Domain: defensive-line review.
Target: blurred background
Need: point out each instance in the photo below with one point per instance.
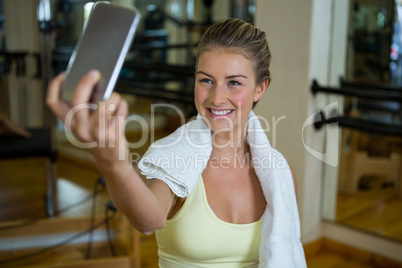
(333, 109)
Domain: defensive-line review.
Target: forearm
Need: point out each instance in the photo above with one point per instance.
(133, 198)
(145, 208)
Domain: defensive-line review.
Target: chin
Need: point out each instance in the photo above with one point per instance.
(221, 126)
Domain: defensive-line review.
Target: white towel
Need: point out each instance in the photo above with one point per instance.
(180, 158)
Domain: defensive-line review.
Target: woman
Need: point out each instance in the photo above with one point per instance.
(219, 223)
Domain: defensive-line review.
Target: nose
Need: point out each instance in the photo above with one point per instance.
(218, 96)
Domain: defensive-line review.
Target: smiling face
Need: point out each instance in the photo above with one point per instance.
(226, 89)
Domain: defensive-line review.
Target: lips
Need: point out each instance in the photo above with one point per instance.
(220, 113)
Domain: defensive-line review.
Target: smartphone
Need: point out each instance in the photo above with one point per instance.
(103, 45)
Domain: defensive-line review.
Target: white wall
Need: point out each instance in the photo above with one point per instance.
(337, 68)
(291, 37)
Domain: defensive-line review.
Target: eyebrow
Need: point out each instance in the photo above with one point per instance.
(235, 76)
(227, 77)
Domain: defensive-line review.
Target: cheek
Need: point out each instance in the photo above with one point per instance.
(200, 95)
(243, 99)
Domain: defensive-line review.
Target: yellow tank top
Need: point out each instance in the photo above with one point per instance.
(196, 237)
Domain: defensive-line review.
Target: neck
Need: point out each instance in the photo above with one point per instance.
(229, 144)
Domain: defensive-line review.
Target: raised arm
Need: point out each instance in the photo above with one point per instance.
(146, 207)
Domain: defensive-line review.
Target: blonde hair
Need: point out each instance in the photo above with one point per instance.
(239, 36)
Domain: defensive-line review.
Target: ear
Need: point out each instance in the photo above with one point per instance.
(260, 90)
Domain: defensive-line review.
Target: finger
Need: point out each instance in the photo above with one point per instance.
(102, 120)
(121, 115)
(114, 111)
(112, 103)
(117, 121)
(122, 109)
(80, 100)
(117, 125)
(53, 100)
(85, 87)
(107, 113)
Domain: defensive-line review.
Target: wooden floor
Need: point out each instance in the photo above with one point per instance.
(375, 208)
(330, 259)
(22, 190)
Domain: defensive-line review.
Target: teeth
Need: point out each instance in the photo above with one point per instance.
(223, 112)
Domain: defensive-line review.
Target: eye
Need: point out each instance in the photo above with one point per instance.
(234, 83)
(205, 80)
